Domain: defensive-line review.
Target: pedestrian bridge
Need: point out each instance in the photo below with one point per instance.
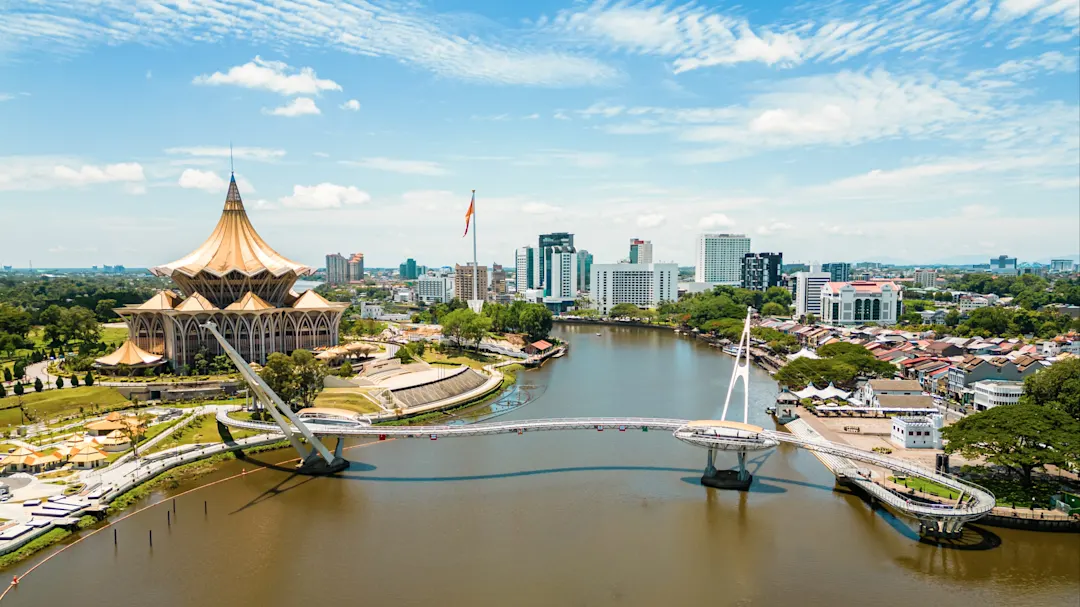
(936, 519)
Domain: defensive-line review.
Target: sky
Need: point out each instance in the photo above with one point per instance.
(895, 131)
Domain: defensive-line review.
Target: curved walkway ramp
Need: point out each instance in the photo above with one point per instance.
(936, 519)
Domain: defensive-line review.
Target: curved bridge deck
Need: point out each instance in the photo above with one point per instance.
(974, 502)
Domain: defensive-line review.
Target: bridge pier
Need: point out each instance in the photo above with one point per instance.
(314, 463)
(739, 480)
(949, 529)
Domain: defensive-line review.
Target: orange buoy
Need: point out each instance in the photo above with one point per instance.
(14, 580)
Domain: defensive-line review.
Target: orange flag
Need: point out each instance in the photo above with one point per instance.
(469, 214)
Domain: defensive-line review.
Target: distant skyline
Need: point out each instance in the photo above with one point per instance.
(898, 132)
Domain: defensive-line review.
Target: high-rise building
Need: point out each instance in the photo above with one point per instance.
(547, 241)
(561, 288)
(584, 271)
(408, 270)
(1061, 265)
(337, 269)
(644, 285)
(926, 278)
(640, 251)
(526, 270)
(761, 270)
(808, 292)
(838, 271)
(356, 267)
(435, 289)
(1003, 264)
(463, 282)
(719, 258)
(498, 280)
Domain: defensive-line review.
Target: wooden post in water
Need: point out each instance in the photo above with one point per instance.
(174, 505)
(204, 507)
(114, 536)
(168, 518)
(151, 538)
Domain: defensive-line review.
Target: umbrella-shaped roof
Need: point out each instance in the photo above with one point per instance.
(131, 355)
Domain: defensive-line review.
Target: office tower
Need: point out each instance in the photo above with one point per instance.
(719, 258)
(640, 251)
(547, 241)
(761, 270)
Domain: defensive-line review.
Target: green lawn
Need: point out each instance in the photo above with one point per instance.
(114, 335)
(927, 486)
(55, 403)
(350, 399)
(202, 430)
(472, 359)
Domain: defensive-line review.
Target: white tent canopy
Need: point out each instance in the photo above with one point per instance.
(824, 394)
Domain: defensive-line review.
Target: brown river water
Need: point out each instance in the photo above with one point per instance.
(553, 518)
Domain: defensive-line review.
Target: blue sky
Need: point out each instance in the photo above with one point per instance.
(907, 131)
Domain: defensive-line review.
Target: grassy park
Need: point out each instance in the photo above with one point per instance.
(926, 486)
(350, 399)
(56, 403)
(202, 430)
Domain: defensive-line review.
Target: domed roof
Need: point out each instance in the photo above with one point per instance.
(233, 246)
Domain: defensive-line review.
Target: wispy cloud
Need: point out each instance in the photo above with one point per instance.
(274, 76)
(396, 165)
(209, 181)
(404, 32)
(44, 173)
(352, 105)
(241, 153)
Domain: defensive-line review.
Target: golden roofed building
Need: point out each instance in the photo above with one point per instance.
(238, 281)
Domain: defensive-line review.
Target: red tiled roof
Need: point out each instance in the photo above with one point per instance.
(541, 345)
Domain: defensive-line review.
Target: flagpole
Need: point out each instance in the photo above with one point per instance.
(476, 266)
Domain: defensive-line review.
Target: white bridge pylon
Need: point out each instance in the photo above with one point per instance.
(741, 371)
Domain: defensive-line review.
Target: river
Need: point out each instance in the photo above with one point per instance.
(554, 518)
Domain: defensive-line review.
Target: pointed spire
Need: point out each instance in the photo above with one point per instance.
(232, 199)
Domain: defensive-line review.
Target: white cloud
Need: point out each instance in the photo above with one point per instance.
(301, 106)
(256, 154)
(651, 220)
(352, 105)
(1050, 62)
(324, 196)
(394, 165)
(44, 172)
(275, 76)
(6, 96)
(773, 228)
(406, 32)
(539, 208)
(715, 221)
(209, 181)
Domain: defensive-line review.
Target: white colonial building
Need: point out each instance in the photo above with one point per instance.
(644, 285)
(990, 393)
(923, 432)
(859, 302)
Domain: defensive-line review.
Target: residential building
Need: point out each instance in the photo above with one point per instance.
(808, 292)
(853, 303)
(560, 290)
(1003, 264)
(547, 242)
(838, 271)
(977, 368)
(990, 393)
(926, 279)
(408, 270)
(584, 271)
(920, 432)
(969, 303)
(640, 251)
(337, 269)
(933, 317)
(526, 269)
(463, 282)
(498, 280)
(644, 285)
(761, 270)
(356, 267)
(1061, 266)
(719, 258)
(404, 295)
(435, 289)
(872, 391)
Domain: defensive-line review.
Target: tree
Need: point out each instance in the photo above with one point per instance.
(1019, 437)
(59, 383)
(811, 319)
(7, 374)
(624, 310)
(3, 391)
(50, 320)
(992, 320)
(74, 381)
(345, 370)
(310, 373)
(19, 389)
(910, 318)
(38, 386)
(89, 379)
(1057, 387)
(104, 310)
(802, 372)
(454, 324)
(952, 317)
(19, 369)
(778, 295)
(535, 320)
(279, 376)
(772, 308)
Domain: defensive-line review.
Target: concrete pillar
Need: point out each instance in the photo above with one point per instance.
(710, 468)
(339, 447)
(743, 475)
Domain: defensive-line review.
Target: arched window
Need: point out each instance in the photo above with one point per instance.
(877, 309)
(858, 309)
